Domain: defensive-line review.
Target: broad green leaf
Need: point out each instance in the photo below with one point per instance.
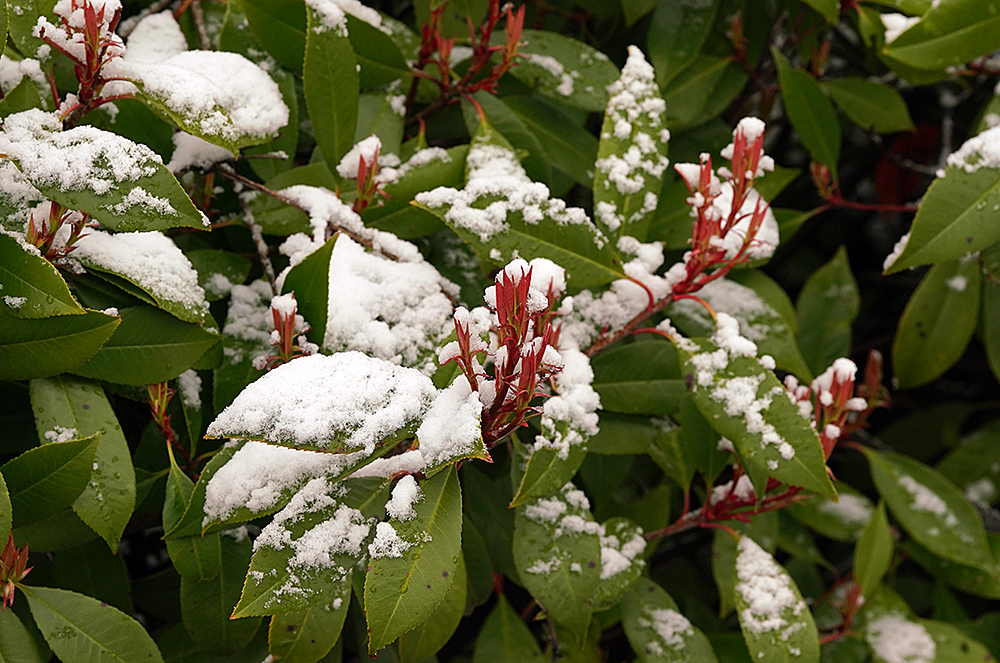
(957, 215)
(557, 553)
(3, 24)
(762, 528)
(504, 638)
(22, 27)
(636, 9)
(966, 578)
(830, 9)
(64, 402)
(480, 567)
(810, 113)
(698, 441)
(401, 592)
(190, 523)
(827, 306)
(278, 218)
(796, 539)
(873, 553)
(843, 520)
(974, 465)
(568, 146)
(951, 645)
(486, 503)
(790, 450)
(214, 267)
(656, 629)
(377, 55)
(677, 32)
(17, 645)
(94, 571)
(21, 97)
(138, 193)
(206, 605)
(6, 514)
(623, 434)
(197, 557)
(870, 105)
(642, 377)
(332, 86)
(938, 322)
(774, 182)
(931, 509)
(310, 281)
(622, 543)
(150, 346)
(279, 26)
(776, 623)
(546, 471)
(565, 69)
(178, 647)
(396, 214)
(632, 153)
(378, 115)
(671, 454)
(282, 580)
(48, 478)
(990, 319)
(307, 636)
(534, 157)
(950, 33)
(81, 628)
(693, 88)
(425, 640)
(60, 531)
(48, 346)
(31, 286)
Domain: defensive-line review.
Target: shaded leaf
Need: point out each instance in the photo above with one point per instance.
(31, 286)
(810, 113)
(48, 346)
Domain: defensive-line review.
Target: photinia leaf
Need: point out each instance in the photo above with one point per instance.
(6, 512)
(938, 322)
(827, 306)
(677, 32)
(565, 69)
(931, 509)
(190, 522)
(280, 28)
(404, 587)
(830, 9)
(948, 35)
(974, 465)
(309, 635)
(504, 638)
(49, 346)
(22, 28)
(21, 97)
(643, 377)
(64, 402)
(17, 644)
(214, 266)
(870, 105)
(843, 520)
(310, 281)
(377, 54)
(810, 113)
(966, 578)
(622, 543)
(569, 147)
(31, 286)
(546, 471)
(80, 628)
(93, 570)
(424, 641)
(873, 554)
(658, 631)
(48, 478)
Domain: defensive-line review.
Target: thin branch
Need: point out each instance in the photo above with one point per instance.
(154, 8)
(199, 22)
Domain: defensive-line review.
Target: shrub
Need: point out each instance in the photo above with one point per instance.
(398, 328)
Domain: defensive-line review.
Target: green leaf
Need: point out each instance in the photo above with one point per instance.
(332, 85)
(873, 553)
(843, 520)
(307, 636)
(505, 639)
(948, 35)
(584, 72)
(310, 281)
(60, 531)
(631, 156)
(776, 623)
(94, 571)
(774, 182)
(636, 9)
(48, 478)
(621, 540)
(278, 218)
(377, 114)
(957, 215)
(951, 645)
(3, 24)
(150, 346)
(190, 523)
(938, 322)
(22, 27)
(991, 325)
(677, 32)
(643, 377)
(279, 582)
(79, 628)
(65, 402)
(402, 592)
(656, 629)
(197, 557)
(48, 346)
(528, 146)
(931, 509)
(830, 9)
(137, 193)
(827, 306)
(974, 465)
(557, 553)
(546, 471)
(377, 54)
(810, 112)
(966, 578)
(870, 105)
(568, 146)
(795, 539)
(280, 28)
(21, 97)
(6, 512)
(206, 605)
(792, 453)
(17, 645)
(427, 639)
(213, 265)
(762, 528)
(693, 89)
(32, 283)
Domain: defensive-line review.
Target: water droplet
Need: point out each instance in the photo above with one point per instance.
(50, 299)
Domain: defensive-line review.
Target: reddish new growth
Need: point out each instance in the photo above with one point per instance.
(56, 236)
(287, 337)
(13, 568)
(91, 45)
(526, 355)
(159, 396)
(435, 51)
(369, 188)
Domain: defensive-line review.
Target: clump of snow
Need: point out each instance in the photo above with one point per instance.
(620, 548)
(404, 495)
(571, 415)
(423, 158)
(155, 38)
(981, 151)
(451, 427)
(895, 639)
(554, 68)
(12, 71)
(249, 320)
(151, 260)
(766, 239)
(897, 250)
(332, 17)
(14, 302)
(189, 385)
(852, 510)
(193, 152)
(981, 491)
(924, 499)
(411, 462)
(60, 434)
(387, 542)
(333, 11)
(348, 400)
(670, 626)
(766, 589)
(367, 150)
(396, 311)
(896, 24)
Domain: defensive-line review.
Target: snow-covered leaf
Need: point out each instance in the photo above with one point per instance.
(841, 520)
(30, 285)
(827, 306)
(546, 471)
(565, 69)
(622, 544)
(656, 629)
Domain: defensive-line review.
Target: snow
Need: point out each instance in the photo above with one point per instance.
(982, 491)
(618, 554)
(957, 283)
(924, 499)
(411, 461)
(368, 149)
(451, 427)
(897, 250)
(671, 626)
(404, 495)
(194, 152)
(259, 474)
(396, 311)
(60, 434)
(895, 639)
(981, 151)
(189, 385)
(897, 24)
(556, 69)
(852, 510)
(387, 543)
(348, 399)
(155, 38)
(767, 591)
(151, 260)
(12, 71)
(332, 13)
(332, 17)
(14, 302)
(766, 240)
(249, 319)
